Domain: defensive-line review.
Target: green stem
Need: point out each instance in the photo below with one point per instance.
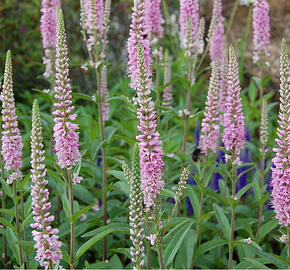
(148, 246)
(5, 258)
(233, 14)
(262, 181)
(24, 228)
(17, 221)
(72, 225)
(200, 212)
(160, 256)
(231, 249)
(288, 249)
(102, 129)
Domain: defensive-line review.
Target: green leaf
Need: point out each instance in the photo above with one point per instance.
(256, 263)
(223, 222)
(168, 193)
(91, 242)
(175, 244)
(25, 181)
(116, 227)
(109, 133)
(95, 148)
(7, 188)
(66, 207)
(11, 237)
(194, 201)
(83, 194)
(267, 228)
(81, 212)
(118, 174)
(123, 187)
(6, 223)
(244, 190)
(26, 220)
(8, 212)
(203, 248)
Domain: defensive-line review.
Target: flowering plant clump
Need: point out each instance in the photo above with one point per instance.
(11, 140)
(47, 244)
(156, 82)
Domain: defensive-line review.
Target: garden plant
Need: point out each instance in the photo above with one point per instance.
(159, 152)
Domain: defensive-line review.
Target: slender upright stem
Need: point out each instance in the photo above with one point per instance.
(17, 221)
(233, 14)
(102, 129)
(288, 249)
(262, 180)
(160, 256)
(72, 225)
(50, 265)
(24, 228)
(231, 249)
(188, 107)
(169, 220)
(5, 260)
(148, 254)
(200, 212)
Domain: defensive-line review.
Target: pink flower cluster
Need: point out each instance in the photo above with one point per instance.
(224, 87)
(217, 39)
(234, 126)
(189, 9)
(47, 244)
(66, 138)
(48, 32)
(139, 34)
(154, 17)
(11, 140)
(151, 154)
(261, 26)
(94, 14)
(281, 172)
(210, 127)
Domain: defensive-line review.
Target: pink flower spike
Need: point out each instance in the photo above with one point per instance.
(210, 127)
(234, 127)
(151, 154)
(154, 17)
(217, 38)
(261, 28)
(48, 32)
(139, 34)
(11, 140)
(47, 244)
(281, 172)
(189, 9)
(66, 138)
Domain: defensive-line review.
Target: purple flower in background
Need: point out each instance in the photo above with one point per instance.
(99, 157)
(261, 26)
